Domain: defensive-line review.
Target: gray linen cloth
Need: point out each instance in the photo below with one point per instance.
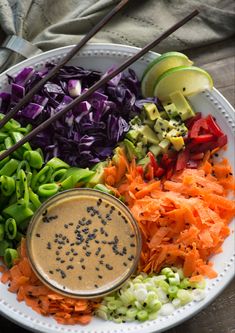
(53, 23)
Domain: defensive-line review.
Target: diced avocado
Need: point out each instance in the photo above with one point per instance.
(182, 129)
(162, 126)
(171, 110)
(164, 115)
(144, 161)
(136, 121)
(141, 149)
(132, 150)
(184, 109)
(149, 135)
(98, 177)
(155, 150)
(151, 111)
(177, 142)
(164, 145)
(174, 123)
(132, 135)
(173, 133)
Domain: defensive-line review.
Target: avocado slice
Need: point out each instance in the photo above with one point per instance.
(164, 145)
(155, 150)
(151, 111)
(132, 150)
(149, 135)
(177, 142)
(171, 110)
(132, 135)
(184, 109)
(98, 177)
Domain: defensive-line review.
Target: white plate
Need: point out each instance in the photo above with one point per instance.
(101, 57)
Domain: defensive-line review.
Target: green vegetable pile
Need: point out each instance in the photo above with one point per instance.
(147, 296)
(25, 182)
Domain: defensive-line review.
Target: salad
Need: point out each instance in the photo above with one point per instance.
(140, 141)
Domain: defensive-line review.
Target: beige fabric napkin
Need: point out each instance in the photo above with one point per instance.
(53, 23)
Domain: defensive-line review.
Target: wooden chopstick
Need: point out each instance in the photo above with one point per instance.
(98, 84)
(69, 56)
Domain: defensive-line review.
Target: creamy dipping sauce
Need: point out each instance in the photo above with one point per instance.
(84, 243)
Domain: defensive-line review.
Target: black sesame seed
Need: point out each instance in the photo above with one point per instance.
(102, 256)
(124, 264)
(67, 253)
(95, 285)
(71, 223)
(109, 267)
(184, 88)
(132, 245)
(75, 253)
(57, 253)
(82, 259)
(44, 213)
(80, 277)
(38, 235)
(101, 262)
(51, 272)
(62, 261)
(66, 226)
(97, 269)
(97, 241)
(71, 259)
(100, 276)
(70, 267)
(83, 267)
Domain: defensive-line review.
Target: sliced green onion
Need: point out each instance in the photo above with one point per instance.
(47, 190)
(11, 228)
(2, 230)
(9, 256)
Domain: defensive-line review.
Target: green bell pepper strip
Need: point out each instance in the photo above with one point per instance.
(5, 160)
(25, 130)
(34, 199)
(8, 142)
(23, 165)
(10, 228)
(7, 185)
(9, 168)
(3, 136)
(9, 256)
(56, 163)
(19, 211)
(22, 190)
(34, 159)
(42, 177)
(4, 244)
(2, 232)
(74, 176)
(17, 136)
(47, 190)
(11, 125)
(58, 175)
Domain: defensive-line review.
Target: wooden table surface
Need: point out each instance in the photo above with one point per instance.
(219, 316)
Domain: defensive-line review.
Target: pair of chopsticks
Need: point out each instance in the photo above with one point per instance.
(93, 88)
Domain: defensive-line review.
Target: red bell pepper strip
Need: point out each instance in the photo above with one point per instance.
(213, 126)
(222, 141)
(153, 161)
(197, 156)
(189, 123)
(203, 138)
(197, 126)
(159, 172)
(140, 170)
(182, 160)
(149, 175)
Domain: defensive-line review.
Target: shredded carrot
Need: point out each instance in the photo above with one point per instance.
(41, 299)
(183, 220)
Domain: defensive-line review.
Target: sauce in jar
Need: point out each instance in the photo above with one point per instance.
(83, 243)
